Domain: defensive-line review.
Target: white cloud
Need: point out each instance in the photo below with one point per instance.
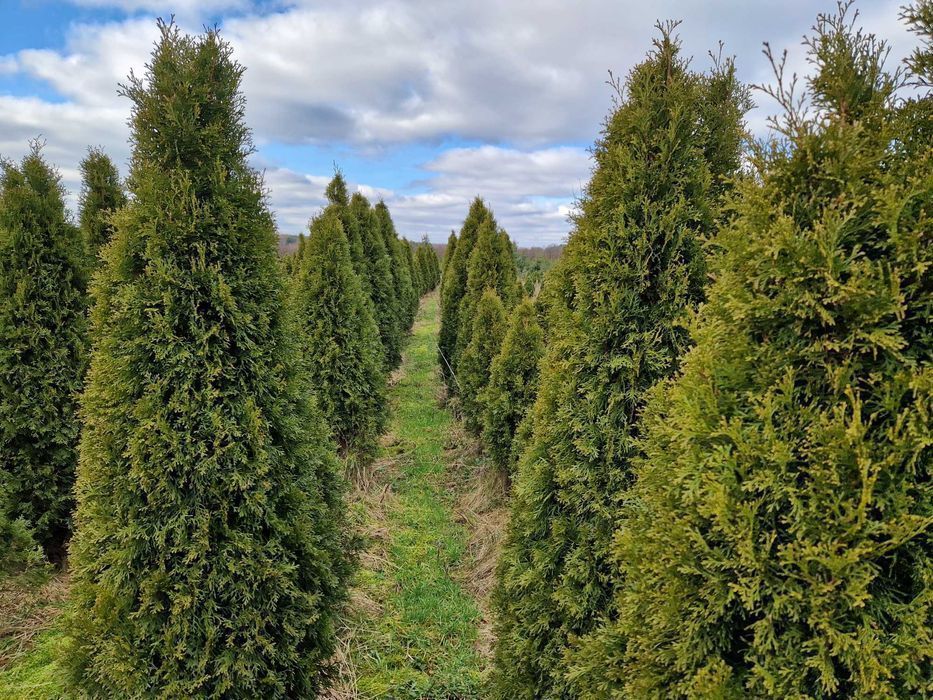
(525, 79)
(530, 192)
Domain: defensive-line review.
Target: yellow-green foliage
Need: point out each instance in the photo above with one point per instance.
(489, 325)
(210, 552)
(513, 384)
(778, 540)
(43, 347)
(340, 340)
(631, 270)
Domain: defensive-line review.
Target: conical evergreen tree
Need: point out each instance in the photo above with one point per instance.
(778, 542)
(631, 270)
(431, 255)
(101, 195)
(415, 277)
(379, 272)
(453, 288)
(449, 253)
(513, 384)
(401, 275)
(426, 261)
(340, 340)
(210, 551)
(339, 202)
(489, 327)
(336, 191)
(43, 349)
(491, 266)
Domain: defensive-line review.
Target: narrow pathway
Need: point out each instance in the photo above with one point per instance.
(413, 627)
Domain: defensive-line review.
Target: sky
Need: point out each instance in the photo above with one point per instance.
(423, 103)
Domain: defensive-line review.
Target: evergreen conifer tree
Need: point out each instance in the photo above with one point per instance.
(453, 288)
(340, 339)
(43, 349)
(379, 273)
(513, 384)
(449, 252)
(415, 277)
(101, 195)
(426, 259)
(210, 551)
(489, 326)
(631, 270)
(491, 266)
(778, 541)
(403, 291)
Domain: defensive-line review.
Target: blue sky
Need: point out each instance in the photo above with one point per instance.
(422, 104)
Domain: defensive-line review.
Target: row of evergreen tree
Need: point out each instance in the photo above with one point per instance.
(724, 483)
(490, 341)
(185, 416)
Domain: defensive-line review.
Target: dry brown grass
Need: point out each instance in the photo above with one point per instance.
(26, 610)
(371, 496)
(482, 507)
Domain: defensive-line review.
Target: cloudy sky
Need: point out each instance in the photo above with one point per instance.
(424, 104)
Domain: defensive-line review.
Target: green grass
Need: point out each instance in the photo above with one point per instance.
(416, 637)
(423, 642)
(37, 674)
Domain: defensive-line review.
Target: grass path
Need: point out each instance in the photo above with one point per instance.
(413, 628)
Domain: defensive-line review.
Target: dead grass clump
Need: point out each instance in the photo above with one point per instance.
(26, 610)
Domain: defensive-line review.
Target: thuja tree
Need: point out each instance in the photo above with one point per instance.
(402, 287)
(632, 269)
(426, 262)
(489, 325)
(779, 539)
(453, 287)
(43, 348)
(513, 384)
(414, 273)
(378, 271)
(101, 195)
(449, 252)
(340, 339)
(418, 280)
(338, 199)
(491, 266)
(209, 554)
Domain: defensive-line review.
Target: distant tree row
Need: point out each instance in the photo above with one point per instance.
(724, 483)
(490, 341)
(200, 475)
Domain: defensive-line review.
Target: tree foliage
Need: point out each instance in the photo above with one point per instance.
(489, 327)
(210, 552)
(404, 299)
(378, 271)
(340, 340)
(513, 384)
(101, 195)
(632, 268)
(429, 271)
(778, 541)
(490, 266)
(453, 287)
(43, 348)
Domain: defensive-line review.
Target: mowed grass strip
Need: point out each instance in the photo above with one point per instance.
(417, 637)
